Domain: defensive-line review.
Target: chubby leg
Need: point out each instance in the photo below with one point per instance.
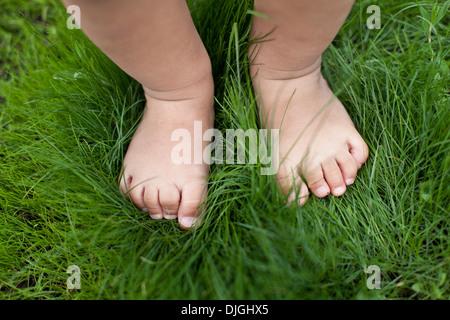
(318, 141)
(157, 44)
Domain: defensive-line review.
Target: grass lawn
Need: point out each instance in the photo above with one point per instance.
(67, 114)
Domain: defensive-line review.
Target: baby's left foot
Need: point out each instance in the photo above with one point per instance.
(318, 141)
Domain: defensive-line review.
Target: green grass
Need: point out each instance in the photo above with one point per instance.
(66, 116)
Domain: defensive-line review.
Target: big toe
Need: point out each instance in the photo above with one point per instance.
(191, 205)
(359, 150)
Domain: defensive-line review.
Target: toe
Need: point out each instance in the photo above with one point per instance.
(316, 180)
(151, 200)
(290, 183)
(348, 166)
(303, 194)
(191, 205)
(136, 194)
(169, 200)
(333, 177)
(287, 179)
(359, 150)
(125, 184)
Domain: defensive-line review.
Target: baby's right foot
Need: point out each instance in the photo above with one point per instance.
(151, 179)
(157, 44)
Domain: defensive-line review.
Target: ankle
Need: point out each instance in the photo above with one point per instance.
(197, 85)
(267, 71)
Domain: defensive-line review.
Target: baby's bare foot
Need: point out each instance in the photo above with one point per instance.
(151, 179)
(318, 140)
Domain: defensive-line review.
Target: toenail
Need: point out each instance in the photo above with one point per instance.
(322, 191)
(339, 190)
(349, 181)
(170, 216)
(187, 222)
(145, 209)
(156, 216)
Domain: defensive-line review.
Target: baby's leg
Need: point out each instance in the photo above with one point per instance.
(157, 44)
(318, 141)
